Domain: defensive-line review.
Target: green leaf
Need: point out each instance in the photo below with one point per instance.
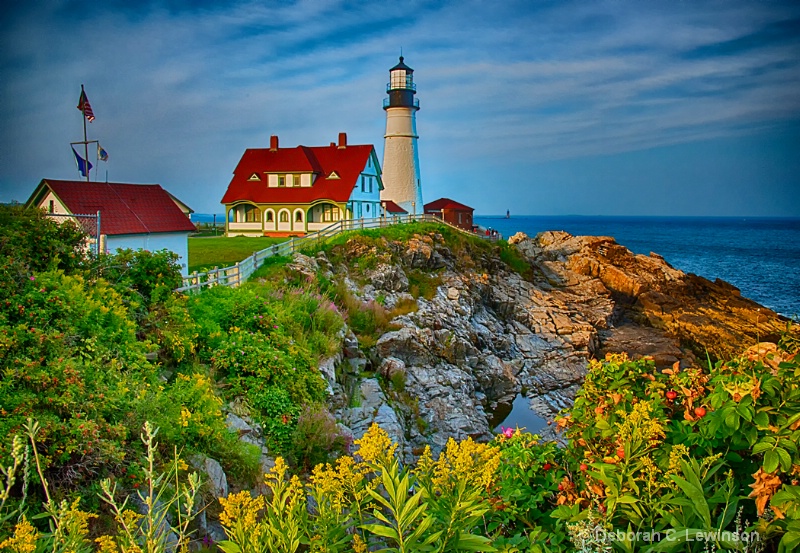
(380, 530)
(771, 460)
(790, 542)
(761, 447)
(785, 459)
(694, 491)
(793, 419)
(472, 542)
(229, 547)
(732, 420)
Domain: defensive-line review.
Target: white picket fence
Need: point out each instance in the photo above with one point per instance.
(238, 274)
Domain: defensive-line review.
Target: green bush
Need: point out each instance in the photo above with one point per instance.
(149, 277)
(31, 242)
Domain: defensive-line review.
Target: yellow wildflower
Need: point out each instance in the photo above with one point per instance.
(128, 519)
(23, 540)
(358, 544)
(467, 460)
(640, 424)
(186, 415)
(678, 453)
(375, 444)
(240, 508)
(107, 544)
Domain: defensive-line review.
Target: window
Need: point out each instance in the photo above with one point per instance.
(363, 183)
(252, 214)
(367, 208)
(330, 213)
(254, 176)
(295, 180)
(281, 180)
(52, 206)
(370, 185)
(270, 216)
(284, 216)
(298, 217)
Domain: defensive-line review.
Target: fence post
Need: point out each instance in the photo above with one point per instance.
(291, 242)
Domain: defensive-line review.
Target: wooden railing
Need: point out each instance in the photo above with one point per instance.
(237, 274)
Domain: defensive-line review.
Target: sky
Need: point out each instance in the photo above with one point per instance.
(602, 107)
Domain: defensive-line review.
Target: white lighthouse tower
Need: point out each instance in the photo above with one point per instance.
(401, 179)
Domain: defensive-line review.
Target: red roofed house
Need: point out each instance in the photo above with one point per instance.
(291, 191)
(451, 212)
(135, 216)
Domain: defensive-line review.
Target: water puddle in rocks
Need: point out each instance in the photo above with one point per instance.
(518, 413)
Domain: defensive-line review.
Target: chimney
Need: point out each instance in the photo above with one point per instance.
(273, 143)
(342, 140)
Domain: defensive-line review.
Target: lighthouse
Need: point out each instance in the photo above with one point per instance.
(401, 180)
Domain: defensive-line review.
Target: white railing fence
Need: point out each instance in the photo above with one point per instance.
(237, 274)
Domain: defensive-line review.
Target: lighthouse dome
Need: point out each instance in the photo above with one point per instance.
(402, 66)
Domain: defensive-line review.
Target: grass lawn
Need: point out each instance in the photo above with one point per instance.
(209, 252)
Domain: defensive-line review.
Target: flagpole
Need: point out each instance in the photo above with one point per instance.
(85, 140)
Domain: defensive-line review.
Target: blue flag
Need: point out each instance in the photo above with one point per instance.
(102, 155)
(82, 163)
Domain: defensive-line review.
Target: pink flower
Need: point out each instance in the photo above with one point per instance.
(33, 278)
(507, 432)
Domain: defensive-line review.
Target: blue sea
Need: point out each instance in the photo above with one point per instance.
(760, 256)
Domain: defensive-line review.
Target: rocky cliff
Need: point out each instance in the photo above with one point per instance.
(486, 334)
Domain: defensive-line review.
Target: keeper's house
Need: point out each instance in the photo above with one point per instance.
(135, 216)
(292, 191)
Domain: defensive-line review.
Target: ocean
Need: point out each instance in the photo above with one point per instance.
(760, 256)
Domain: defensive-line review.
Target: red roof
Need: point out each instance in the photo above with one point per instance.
(124, 208)
(446, 203)
(392, 207)
(347, 163)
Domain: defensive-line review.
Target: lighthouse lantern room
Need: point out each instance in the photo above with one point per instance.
(401, 176)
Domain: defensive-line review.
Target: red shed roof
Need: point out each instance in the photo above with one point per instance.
(124, 208)
(347, 163)
(446, 203)
(392, 207)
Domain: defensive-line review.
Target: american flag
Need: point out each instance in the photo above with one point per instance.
(85, 107)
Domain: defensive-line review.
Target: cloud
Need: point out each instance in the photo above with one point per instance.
(180, 89)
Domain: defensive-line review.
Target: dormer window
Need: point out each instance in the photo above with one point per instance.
(334, 175)
(295, 180)
(281, 180)
(254, 176)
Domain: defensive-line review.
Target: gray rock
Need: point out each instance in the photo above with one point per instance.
(374, 408)
(214, 474)
(247, 433)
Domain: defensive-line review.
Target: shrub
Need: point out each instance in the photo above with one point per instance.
(31, 242)
(316, 438)
(152, 276)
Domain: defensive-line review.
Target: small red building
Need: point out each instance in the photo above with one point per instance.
(451, 212)
(391, 209)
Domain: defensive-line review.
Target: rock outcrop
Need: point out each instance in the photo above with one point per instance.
(488, 334)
